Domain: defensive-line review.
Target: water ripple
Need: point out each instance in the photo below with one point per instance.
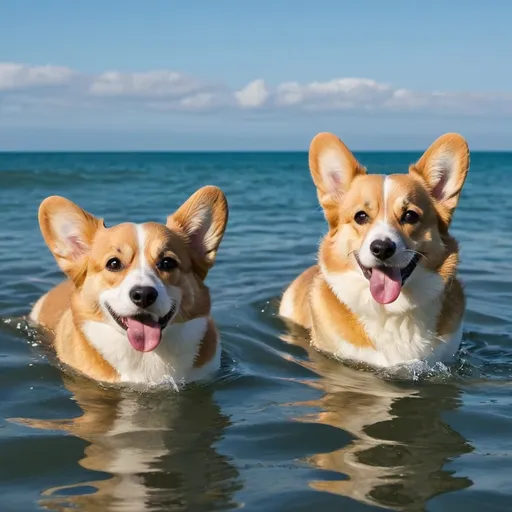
(281, 427)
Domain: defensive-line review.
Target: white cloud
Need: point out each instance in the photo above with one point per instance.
(253, 95)
(340, 93)
(201, 101)
(33, 88)
(20, 76)
(353, 94)
(153, 84)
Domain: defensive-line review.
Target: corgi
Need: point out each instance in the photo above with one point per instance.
(384, 291)
(134, 307)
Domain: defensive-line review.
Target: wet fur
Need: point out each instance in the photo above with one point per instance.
(83, 333)
(333, 299)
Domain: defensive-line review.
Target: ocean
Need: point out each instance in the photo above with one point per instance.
(281, 427)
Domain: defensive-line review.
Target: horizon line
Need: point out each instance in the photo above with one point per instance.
(14, 151)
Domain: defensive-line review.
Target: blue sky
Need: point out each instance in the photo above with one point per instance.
(218, 74)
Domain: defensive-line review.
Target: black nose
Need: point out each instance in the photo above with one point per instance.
(383, 249)
(143, 296)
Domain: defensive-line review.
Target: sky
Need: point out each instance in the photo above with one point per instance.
(241, 75)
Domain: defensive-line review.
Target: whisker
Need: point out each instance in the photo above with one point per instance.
(417, 253)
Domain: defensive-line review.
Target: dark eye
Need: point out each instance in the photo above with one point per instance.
(361, 217)
(167, 264)
(410, 217)
(114, 265)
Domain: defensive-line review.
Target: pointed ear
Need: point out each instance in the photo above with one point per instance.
(443, 167)
(333, 168)
(203, 219)
(68, 231)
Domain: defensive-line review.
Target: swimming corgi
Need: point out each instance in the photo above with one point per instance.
(134, 307)
(384, 291)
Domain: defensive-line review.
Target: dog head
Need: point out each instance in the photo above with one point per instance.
(389, 229)
(137, 277)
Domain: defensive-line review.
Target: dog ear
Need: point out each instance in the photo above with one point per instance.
(333, 169)
(443, 169)
(68, 231)
(203, 219)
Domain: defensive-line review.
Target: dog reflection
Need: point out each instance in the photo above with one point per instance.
(156, 446)
(401, 443)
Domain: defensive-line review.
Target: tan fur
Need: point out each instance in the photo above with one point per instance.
(53, 305)
(72, 303)
(56, 316)
(298, 294)
(454, 304)
(344, 189)
(450, 143)
(329, 314)
(208, 346)
(74, 350)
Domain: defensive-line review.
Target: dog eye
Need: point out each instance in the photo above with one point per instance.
(167, 264)
(114, 265)
(410, 217)
(361, 217)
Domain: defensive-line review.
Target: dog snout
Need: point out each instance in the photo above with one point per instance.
(143, 296)
(383, 249)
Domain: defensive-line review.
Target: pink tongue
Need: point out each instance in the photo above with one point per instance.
(143, 337)
(385, 286)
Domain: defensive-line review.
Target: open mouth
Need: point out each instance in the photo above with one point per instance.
(386, 282)
(143, 331)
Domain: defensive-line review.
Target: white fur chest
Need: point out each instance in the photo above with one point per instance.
(171, 362)
(399, 338)
(401, 332)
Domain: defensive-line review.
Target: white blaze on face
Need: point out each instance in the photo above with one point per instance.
(386, 277)
(383, 230)
(142, 274)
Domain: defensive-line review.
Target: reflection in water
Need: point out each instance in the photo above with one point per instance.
(401, 443)
(157, 447)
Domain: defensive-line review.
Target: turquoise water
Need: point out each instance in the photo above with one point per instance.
(281, 428)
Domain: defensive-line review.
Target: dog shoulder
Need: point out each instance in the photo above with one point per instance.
(295, 305)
